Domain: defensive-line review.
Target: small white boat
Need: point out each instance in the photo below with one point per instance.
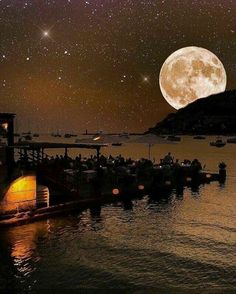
(56, 135)
(67, 135)
(25, 138)
(218, 143)
(173, 138)
(124, 135)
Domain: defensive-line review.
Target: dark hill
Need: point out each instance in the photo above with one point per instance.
(215, 115)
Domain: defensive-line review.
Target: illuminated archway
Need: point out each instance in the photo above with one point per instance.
(20, 195)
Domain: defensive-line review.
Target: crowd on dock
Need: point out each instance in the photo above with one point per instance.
(168, 171)
(118, 163)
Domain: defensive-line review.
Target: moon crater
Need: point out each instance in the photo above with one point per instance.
(189, 74)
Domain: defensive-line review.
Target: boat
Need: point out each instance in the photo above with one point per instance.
(218, 143)
(56, 135)
(25, 137)
(124, 135)
(116, 144)
(68, 135)
(174, 138)
(232, 140)
(199, 137)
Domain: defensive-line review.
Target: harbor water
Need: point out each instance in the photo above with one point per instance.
(180, 241)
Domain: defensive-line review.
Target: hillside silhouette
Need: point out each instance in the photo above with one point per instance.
(213, 115)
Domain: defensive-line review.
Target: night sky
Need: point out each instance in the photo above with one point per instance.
(73, 65)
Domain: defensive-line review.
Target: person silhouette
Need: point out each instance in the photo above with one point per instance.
(168, 159)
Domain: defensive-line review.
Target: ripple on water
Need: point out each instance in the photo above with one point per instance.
(182, 241)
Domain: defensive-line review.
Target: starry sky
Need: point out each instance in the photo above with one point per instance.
(71, 65)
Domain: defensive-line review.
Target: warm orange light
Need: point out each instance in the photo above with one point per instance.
(115, 192)
(5, 126)
(141, 187)
(96, 138)
(21, 194)
(188, 179)
(208, 176)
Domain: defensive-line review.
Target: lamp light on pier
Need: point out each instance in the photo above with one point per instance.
(115, 191)
(141, 187)
(4, 126)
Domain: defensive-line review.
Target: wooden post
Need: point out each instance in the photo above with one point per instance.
(98, 156)
(38, 156)
(33, 154)
(66, 152)
(149, 151)
(25, 157)
(21, 155)
(10, 142)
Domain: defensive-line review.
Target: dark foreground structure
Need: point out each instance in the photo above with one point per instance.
(37, 186)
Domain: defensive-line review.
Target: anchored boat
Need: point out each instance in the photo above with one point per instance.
(232, 140)
(218, 143)
(174, 138)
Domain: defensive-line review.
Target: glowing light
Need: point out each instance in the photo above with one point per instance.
(21, 194)
(208, 176)
(115, 191)
(97, 138)
(189, 74)
(46, 33)
(188, 179)
(141, 187)
(5, 126)
(145, 79)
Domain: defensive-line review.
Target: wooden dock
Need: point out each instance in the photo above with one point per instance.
(78, 193)
(120, 192)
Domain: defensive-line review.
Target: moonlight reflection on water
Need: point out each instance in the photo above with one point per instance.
(183, 240)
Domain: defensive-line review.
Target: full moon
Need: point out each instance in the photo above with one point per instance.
(189, 74)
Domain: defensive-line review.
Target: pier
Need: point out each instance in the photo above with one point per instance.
(38, 185)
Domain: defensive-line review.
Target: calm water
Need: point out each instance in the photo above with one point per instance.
(184, 241)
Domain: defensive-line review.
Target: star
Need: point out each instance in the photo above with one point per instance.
(101, 55)
(46, 34)
(146, 79)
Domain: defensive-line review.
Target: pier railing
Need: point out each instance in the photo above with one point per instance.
(59, 179)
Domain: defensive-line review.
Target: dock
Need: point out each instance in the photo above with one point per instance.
(38, 186)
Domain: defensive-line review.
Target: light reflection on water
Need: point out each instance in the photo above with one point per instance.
(181, 241)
